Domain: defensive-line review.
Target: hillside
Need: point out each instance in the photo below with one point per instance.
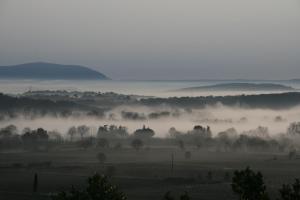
(270, 101)
(49, 71)
(241, 87)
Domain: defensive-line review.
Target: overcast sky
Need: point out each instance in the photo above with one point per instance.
(156, 39)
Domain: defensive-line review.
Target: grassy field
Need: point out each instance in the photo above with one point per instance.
(143, 175)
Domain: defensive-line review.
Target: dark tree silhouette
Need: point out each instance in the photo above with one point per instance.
(185, 196)
(290, 192)
(112, 131)
(35, 138)
(72, 132)
(249, 185)
(282, 100)
(168, 196)
(83, 131)
(294, 129)
(8, 131)
(98, 189)
(137, 144)
(181, 145)
(144, 132)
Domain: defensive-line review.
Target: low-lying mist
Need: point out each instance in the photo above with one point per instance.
(162, 118)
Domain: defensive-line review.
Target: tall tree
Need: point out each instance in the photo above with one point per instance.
(98, 188)
(249, 185)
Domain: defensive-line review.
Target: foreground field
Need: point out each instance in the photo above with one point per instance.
(142, 175)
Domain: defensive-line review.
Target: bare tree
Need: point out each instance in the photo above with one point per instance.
(72, 132)
(83, 131)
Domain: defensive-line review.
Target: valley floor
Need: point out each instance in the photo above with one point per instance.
(142, 175)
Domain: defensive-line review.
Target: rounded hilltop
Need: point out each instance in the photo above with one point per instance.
(50, 71)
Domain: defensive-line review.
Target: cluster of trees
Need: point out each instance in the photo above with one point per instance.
(14, 106)
(230, 140)
(9, 137)
(201, 137)
(98, 188)
(112, 131)
(40, 138)
(108, 99)
(33, 139)
(249, 185)
(65, 104)
(144, 132)
(41, 106)
(132, 115)
(246, 185)
(127, 115)
(108, 132)
(294, 129)
(272, 101)
(78, 132)
(198, 131)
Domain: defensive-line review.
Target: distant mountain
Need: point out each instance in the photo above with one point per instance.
(241, 87)
(50, 71)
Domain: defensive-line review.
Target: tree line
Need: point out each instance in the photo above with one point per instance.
(199, 136)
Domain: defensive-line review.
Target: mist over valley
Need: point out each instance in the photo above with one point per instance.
(150, 100)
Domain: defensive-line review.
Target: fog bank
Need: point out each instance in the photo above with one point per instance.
(162, 118)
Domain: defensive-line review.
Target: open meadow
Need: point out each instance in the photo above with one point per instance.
(143, 174)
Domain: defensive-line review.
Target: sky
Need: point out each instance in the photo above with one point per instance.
(156, 39)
